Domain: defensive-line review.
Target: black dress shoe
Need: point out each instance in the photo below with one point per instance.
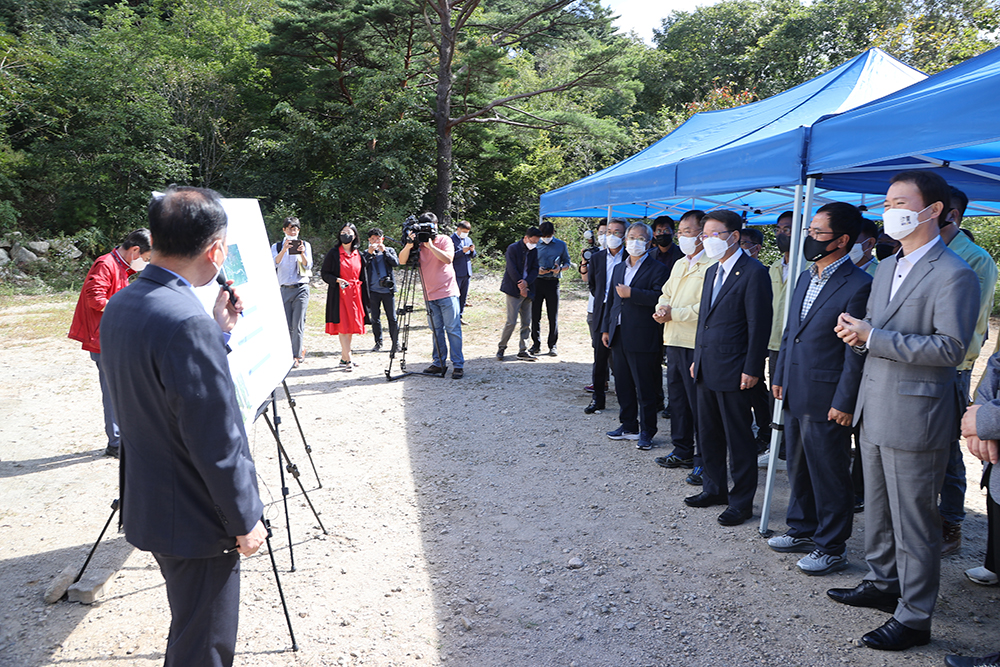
(865, 594)
(992, 660)
(733, 516)
(705, 500)
(894, 636)
(593, 407)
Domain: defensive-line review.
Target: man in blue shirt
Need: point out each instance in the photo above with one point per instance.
(379, 263)
(465, 251)
(553, 257)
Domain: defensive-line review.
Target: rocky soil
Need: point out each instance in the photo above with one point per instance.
(482, 522)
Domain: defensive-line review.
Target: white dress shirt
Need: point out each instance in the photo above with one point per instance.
(905, 263)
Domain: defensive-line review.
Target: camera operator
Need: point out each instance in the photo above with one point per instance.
(437, 275)
(379, 262)
(293, 262)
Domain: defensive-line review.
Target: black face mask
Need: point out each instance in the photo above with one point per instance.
(783, 241)
(347, 239)
(663, 240)
(883, 250)
(815, 250)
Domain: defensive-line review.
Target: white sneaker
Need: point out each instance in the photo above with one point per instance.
(763, 459)
(982, 576)
(818, 563)
(790, 544)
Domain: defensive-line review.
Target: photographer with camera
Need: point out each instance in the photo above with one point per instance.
(379, 263)
(293, 261)
(435, 254)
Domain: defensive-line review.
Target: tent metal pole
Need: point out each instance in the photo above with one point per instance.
(795, 262)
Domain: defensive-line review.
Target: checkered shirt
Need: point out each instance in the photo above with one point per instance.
(817, 281)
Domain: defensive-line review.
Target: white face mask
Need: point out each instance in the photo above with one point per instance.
(900, 222)
(613, 241)
(688, 244)
(715, 247)
(857, 253)
(635, 247)
(546, 240)
(601, 241)
(291, 237)
(531, 246)
(138, 264)
(463, 235)
(218, 270)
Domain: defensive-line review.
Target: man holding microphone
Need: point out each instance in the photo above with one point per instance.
(188, 484)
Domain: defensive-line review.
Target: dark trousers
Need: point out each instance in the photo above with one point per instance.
(385, 301)
(724, 424)
(463, 292)
(683, 398)
(602, 359)
(857, 467)
(821, 497)
(546, 290)
(762, 407)
(637, 378)
(204, 598)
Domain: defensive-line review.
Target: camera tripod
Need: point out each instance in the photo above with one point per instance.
(409, 287)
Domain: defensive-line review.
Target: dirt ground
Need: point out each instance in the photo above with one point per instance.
(453, 510)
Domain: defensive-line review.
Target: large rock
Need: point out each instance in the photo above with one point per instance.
(22, 256)
(4, 257)
(64, 248)
(38, 247)
(7, 242)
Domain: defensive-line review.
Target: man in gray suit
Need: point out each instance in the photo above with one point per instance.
(921, 315)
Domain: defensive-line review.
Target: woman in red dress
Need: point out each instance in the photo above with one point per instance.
(347, 309)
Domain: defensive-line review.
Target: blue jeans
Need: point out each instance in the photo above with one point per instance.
(446, 328)
(952, 506)
(110, 423)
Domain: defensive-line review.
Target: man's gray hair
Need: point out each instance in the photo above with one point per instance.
(647, 231)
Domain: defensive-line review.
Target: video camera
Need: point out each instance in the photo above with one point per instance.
(422, 231)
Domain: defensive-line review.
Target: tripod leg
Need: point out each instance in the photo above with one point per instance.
(291, 404)
(294, 470)
(114, 508)
(277, 580)
(284, 488)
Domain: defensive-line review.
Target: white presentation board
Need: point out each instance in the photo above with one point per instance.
(261, 353)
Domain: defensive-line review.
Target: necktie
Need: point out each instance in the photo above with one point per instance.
(720, 276)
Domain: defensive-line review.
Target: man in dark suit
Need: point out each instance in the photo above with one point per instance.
(465, 252)
(734, 322)
(664, 250)
(921, 316)
(518, 284)
(636, 338)
(601, 265)
(189, 487)
(817, 377)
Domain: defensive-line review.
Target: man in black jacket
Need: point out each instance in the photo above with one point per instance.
(518, 283)
(601, 264)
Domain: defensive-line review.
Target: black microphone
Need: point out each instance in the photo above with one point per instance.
(221, 279)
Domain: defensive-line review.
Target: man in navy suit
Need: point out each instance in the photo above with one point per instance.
(600, 267)
(818, 378)
(636, 338)
(188, 484)
(734, 323)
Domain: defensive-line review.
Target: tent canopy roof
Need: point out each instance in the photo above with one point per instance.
(647, 182)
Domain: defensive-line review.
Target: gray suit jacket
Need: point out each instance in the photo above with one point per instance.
(909, 397)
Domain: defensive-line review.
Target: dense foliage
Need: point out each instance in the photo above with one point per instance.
(367, 110)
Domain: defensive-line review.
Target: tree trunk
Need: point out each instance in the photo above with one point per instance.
(442, 116)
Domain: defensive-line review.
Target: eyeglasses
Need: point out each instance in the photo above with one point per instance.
(813, 233)
(713, 235)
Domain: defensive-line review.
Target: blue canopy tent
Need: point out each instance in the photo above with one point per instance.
(658, 180)
(947, 123)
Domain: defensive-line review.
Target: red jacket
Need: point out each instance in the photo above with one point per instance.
(108, 275)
